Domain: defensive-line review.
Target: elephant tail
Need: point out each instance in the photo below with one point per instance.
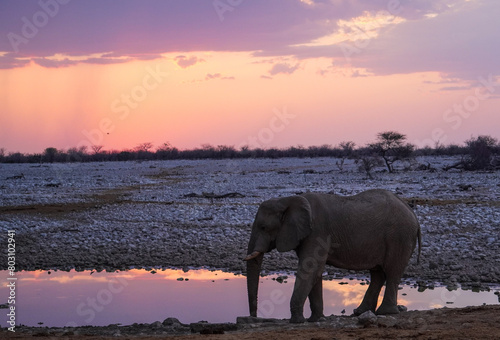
(419, 239)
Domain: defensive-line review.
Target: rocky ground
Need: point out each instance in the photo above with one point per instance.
(198, 213)
(461, 323)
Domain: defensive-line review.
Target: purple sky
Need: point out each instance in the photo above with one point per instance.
(462, 40)
(347, 69)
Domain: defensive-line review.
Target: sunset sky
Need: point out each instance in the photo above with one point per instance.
(262, 73)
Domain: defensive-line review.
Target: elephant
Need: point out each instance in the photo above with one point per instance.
(374, 230)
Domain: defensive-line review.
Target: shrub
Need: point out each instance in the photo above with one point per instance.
(480, 153)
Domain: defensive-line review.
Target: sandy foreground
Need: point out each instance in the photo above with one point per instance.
(192, 214)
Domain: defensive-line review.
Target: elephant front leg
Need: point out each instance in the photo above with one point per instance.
(307, 283)
(297, 301)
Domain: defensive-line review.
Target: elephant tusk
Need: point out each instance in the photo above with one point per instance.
(252, 256)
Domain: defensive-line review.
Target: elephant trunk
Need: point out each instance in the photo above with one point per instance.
(258, 245)
(253, 275)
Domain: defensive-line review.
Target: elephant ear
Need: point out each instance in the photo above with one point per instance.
(296, 223)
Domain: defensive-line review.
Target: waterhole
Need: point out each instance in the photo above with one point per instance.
(57, 298)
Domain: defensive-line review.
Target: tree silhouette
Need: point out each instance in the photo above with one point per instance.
(50, 154)
(144, 147)
(347, 151)
(391, 146)
(97, 149)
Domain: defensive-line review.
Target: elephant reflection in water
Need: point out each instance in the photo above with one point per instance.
(374, 230)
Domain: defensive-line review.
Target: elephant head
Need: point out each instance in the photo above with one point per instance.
(280, 223)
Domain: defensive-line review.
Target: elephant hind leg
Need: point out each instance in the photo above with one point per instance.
(316, 300)
(394, 270)
(390, 302)
(371, 296)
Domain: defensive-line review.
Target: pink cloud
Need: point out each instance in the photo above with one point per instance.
(211, 76)
(54, 63)
(283, 68)
(455, 37)
(11, 60)
(186, 62)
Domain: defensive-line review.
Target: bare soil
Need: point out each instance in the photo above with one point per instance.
(481, 322)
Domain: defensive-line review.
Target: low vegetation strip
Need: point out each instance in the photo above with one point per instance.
(413, 201)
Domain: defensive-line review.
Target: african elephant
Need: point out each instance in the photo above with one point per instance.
(374, 230)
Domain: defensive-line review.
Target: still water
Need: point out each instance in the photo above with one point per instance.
(98, 299)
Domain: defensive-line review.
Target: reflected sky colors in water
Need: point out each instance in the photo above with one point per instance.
(79, 298)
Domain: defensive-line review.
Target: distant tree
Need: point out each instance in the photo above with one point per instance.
(16, 157)
(325, 150)
(367, 160)
(49, 155)
(77, 154)
(82, 150)
(391, 146)
(293, 151)
(126, 155)
(97, 149)
(144, 147)
(347, 148)
(245, 151)
(167, 151)
(225, 151)
(347, 151)
(207, 147)
(166, 147)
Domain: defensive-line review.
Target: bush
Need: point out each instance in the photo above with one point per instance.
(480, 153)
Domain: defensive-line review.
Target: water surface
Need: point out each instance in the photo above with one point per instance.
(99, 299)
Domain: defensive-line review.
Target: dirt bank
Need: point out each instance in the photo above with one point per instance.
(464, 323)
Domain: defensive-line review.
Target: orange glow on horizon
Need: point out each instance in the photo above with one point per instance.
(221, 98)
